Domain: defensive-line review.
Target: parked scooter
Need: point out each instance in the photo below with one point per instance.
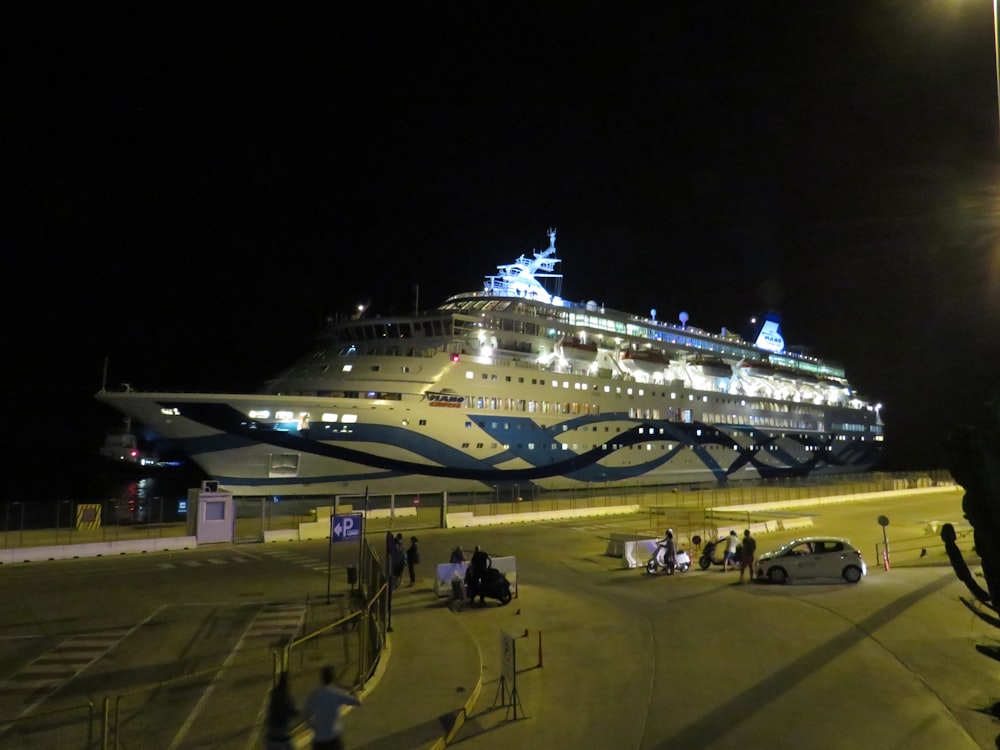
(714, 553)
(682, 561)
(495, 586)
(708, 555)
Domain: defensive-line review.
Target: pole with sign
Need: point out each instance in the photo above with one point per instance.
(883, 521)
(343, 528)
(508, 676)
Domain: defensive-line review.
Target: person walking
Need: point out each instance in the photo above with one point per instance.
(412, 558)
(748, 555)
(280, 712)
(457, 555)
(729, 556)
(323, 712)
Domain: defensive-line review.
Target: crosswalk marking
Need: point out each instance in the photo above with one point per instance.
(296, 558)
(202, 563)
(46, 674)
(277, 621)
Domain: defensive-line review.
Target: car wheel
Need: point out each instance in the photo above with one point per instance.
(852, 574)
(777, 575)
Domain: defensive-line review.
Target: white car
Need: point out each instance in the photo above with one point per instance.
(812, 557)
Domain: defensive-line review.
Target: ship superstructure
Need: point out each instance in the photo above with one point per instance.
(514, 385)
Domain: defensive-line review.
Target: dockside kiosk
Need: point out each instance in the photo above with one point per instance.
(211, 514)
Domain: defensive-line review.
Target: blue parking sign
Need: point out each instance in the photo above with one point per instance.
(346, 527)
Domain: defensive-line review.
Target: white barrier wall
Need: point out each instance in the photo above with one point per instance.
(445, 572)
(454, 520)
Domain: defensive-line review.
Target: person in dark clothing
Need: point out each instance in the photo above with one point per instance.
(477, 569)
(748, 555)
(457, 555)
(280, 712)
(397, 559)
(412, 558)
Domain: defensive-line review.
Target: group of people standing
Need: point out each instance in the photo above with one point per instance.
(402, 559)
(740, 555)
(736, 554)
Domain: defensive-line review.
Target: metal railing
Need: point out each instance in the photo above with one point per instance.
(29, 524)
(79, 726)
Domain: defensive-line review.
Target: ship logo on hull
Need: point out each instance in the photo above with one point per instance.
(451, 400)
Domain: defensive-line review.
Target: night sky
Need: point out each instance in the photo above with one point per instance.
(194, 192)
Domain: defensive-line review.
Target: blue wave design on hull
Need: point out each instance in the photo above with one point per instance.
(456, 464)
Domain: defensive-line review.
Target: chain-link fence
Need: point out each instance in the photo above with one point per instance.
(24, 524)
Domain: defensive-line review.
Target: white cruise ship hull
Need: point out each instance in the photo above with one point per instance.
(512, 387)
(419, 444)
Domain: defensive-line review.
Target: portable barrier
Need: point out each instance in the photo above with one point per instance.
(446, 572)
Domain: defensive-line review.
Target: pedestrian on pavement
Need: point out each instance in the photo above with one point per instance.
(397, 561)
(412, 558)
(729, 556)
(477, 569)
(748, 555)
(457, 555)
(323, 712)
(280, 712)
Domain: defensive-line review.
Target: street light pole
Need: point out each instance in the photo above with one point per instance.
(996, 56)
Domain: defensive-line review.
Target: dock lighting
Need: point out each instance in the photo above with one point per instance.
(454, 358)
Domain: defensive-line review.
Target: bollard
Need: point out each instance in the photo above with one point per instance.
(539, 648)
(885, 557)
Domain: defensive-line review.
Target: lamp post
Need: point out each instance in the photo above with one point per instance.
(996, 57)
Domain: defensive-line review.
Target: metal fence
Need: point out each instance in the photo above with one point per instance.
(77, 727)
(24, 523)
(357, 638)
(224, 705)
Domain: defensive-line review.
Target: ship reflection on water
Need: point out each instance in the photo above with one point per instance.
(129, 493)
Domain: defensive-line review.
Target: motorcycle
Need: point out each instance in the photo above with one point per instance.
(682, 561)
(708, 556)
(494, 585)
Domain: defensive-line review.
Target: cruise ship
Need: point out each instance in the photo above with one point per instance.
(514, 387)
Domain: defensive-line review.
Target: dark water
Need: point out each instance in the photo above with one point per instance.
(89, 478)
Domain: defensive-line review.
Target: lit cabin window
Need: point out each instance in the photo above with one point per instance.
(328, 417)
(283, 416)
(259, 414)
(347, 368)
(349, 418)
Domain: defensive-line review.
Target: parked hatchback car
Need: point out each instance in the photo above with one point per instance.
(812, 557)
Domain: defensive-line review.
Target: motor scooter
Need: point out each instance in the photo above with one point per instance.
(494, 585)
(682, 561)
(713, 553)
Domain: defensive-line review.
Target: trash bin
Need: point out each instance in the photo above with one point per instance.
(352, 574)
